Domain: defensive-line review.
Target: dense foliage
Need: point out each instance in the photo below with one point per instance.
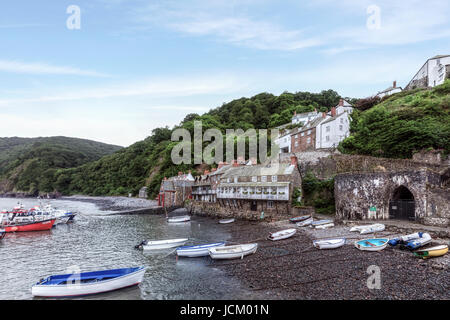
(318, 193)
(402, 124)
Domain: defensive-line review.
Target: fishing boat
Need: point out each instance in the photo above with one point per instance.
(377, 227)
(87, 283)
(197, 251)
(283, 234)
(325, 226)
(320, 222)
(161, 244)
(329, 243)
(233, 252)
(371, 244)
(436, 251)
(2, 234)
(29, 226)
(305, 223)
(226, 221)
(300, 218)
(179, 219)
(413, 244)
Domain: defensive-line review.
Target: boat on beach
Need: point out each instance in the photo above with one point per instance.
(226, 221)
(371, 244)
(404, 239)
(325, 226)
(436, 251)
(233, 252)
(305, 223)
(283, 234)
(87, 283)
(321, 222)
(179, 219)
(197, 251)
(413, 244)
(161, 244)
(377, 227)
(329, 243)
(300, 218)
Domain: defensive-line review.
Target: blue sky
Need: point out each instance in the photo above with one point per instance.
(135, 65)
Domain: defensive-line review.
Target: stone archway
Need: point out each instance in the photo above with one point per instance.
(402, 204)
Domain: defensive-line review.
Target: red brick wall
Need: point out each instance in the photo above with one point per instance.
(303, 144)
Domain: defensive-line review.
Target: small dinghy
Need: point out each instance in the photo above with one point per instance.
(325, 226)
(87, 283)
(377, 227)
(371, 244)
(436, 251)
(404, 239)
(320, 222)
(305, 223)
(299, 219)
(197, 251)
(329, 243)
(179, 219)
(283, 234)
(226, 221)
(2, 234)
(424, 239)
(233, 252)
(161, 244)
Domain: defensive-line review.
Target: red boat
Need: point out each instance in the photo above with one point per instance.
(30, 226)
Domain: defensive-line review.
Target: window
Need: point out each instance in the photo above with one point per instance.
(296, 143)
(328, 128)
(235, 179)
(303, 134)
(269, 204)
(327, 138)
(255, 179)
(274, 178)
(341, 127)
(308, 140)
(309, 132)
(342, 120)
(229, 180)
(296, 136)
(263, 178)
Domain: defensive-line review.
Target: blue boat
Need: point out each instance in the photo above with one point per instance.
(87, 283)
(371, 244)
(197, 251)
(2, 234)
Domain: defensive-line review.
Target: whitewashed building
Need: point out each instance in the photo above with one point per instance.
(284, 142)
(389, 91)
(432, 73)
(304, 117)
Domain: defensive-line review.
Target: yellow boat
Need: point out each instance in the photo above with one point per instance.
(432, 252)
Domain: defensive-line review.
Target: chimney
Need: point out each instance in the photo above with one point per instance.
(235, 163)
(295, 113)
(394, 85)
(180, 173)
(253, 161)
(315, 110)
(240, 160)
(221, 164)
(165, 178)
(341, 102)
(294, 160)
(213, 169)
(333, 111)
(324, 115)
(206, 172)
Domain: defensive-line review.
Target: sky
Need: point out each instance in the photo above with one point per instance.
(121, 68)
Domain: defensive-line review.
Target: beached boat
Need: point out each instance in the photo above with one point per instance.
(325, 226)
(305, 223)
(300, 218)
(179, 219)
(404, 239)
(377, 227)
(283, 234)
(413, 244)
(371, 244)
(197, 251)
(226, 221)
(29, 226)
(436, 251)
(161, 244)
(320, 222)
(87, 283)
(329, 243)
(233, 252)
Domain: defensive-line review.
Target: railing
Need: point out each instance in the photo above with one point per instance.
(255, 196)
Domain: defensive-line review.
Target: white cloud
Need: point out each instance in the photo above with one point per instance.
(43, 68)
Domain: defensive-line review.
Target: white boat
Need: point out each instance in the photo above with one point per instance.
(371, 244)
(87, 283)
(329, 243)
(197, 251)
(179, 219)
(305, 223)
(377, 227)
(233, 252)
(320, 222)
(161, 244)
(325, 226)
(225, 221)
(413, 244)
(283, 234)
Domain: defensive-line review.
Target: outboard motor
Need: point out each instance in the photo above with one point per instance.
(139, 246)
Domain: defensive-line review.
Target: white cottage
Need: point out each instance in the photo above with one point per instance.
(389, 91)
(432, 73)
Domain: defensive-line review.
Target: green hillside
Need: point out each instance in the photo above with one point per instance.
(29, 164)
(402, 124)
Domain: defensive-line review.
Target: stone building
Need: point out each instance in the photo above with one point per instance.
(175, 190)
(304, 138)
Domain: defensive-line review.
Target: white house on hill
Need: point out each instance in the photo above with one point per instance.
(389, 91)
(432, 73)
(332, 130)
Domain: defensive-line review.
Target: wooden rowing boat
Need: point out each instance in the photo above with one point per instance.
(179, 219)
(197, 251)
(226, 221)
(305, 223)
(329, 243)
(283, 234)
(436, 251)
(233, 252)
(371, 244)
(300, 218)
(161, 244)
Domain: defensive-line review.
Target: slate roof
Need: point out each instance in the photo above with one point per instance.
(260, 170)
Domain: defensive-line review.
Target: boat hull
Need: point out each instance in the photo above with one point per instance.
(233, 252)
(280, 235)
(197, 251)
(179, 219)
(437, 251)
(329, 243)
(299, 219)
(324, 226)
(305, 223)
(371, 244)
(226, 221)
(164, 244)
(83, 289)
(32, 226)
(2, 234)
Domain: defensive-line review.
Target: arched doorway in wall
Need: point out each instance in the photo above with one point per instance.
(402, 204)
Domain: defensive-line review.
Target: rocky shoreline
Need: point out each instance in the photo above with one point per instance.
(119, 204)
(294, 269)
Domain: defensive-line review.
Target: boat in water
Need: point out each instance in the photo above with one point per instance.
(161, 244)
(233, 252)
(226, 221)
(371, 244)
(179, 219)
(329, 243)
(283, 234)
(377, 227)
(2, 234)
(11, 224)
(197, 251)
(436, 251)
(300, 218)
(87, 283)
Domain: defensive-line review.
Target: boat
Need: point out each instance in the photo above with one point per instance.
(329, 243)
(197, 251)
(233, 252)
(87, 283)
(371, 244)
(377, 227)
(305, 223)
(405, 239)
(2, 234)
(320, 222)
(29, 226)
(179, 219)
(161, 244)
(324, 226)
(300, 218)
(436, 251)
(413, 244)
(283, 234)
(226, 221)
